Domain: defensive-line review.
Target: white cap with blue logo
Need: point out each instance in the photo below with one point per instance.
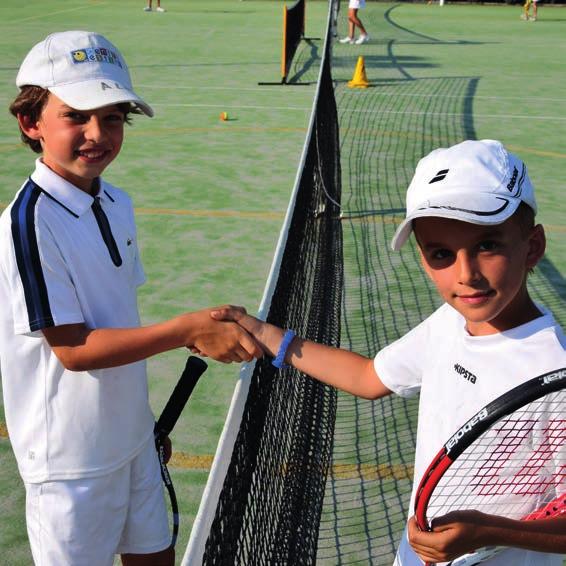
(81, 68)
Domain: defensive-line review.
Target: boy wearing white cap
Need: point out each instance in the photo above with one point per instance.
(72, 351)
(471, 208)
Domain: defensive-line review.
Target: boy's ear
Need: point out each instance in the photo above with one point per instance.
(29, 127)
(537, 246)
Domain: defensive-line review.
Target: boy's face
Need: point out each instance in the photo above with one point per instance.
(481, 270)
(77, 144)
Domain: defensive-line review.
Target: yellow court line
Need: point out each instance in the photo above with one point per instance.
(275, 216)
(208, 213)
(266, 215)
(185, 461)
(540, 152)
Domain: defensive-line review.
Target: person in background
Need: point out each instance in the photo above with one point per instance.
(355, 22)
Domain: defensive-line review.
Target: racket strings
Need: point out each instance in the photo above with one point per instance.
(513, 468)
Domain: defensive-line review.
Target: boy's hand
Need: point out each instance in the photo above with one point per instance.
(224, 341)
(268, 336)
(237, 314)
(452, 535)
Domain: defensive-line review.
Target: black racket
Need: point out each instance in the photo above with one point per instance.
(509, 460)
(194, 368)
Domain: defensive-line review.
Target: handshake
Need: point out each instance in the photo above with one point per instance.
(229, 334)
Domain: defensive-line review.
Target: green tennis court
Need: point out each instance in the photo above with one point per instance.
(210, 195)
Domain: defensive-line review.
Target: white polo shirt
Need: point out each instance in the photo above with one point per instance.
(59, 265)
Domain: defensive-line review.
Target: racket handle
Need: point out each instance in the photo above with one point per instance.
(194, 368)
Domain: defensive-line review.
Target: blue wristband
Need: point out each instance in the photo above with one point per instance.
(279, 361)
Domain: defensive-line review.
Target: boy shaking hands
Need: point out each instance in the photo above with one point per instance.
(471, 208)
(72, 350)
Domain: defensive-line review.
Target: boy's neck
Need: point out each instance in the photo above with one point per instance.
(513, 318)
(92, 188)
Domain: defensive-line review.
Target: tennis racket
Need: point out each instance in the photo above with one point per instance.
(509, 460)
(194, 368)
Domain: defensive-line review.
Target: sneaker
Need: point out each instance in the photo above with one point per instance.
(159, 9)
(147, 9)
(362, 39)
(347, 40)
(524, 17)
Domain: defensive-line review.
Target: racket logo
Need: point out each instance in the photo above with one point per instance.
(561, 374)
(478, 418)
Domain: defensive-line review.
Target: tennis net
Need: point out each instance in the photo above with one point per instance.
(263, 501)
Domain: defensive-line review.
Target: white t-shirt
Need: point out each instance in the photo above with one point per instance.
(56, 268)
(457, 374)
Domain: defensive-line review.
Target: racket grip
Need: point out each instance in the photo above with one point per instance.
(194, 368)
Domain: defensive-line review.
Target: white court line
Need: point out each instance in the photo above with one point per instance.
(43, 16)
(440, 114)
(389, 94)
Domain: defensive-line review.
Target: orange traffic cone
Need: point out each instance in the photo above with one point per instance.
(359, 80)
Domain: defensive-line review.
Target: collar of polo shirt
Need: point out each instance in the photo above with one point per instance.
(70, 197)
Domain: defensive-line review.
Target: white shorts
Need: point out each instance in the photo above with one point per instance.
(357, 4)
(88, 521)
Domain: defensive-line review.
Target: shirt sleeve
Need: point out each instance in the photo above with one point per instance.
(399, 365)
(42, 290)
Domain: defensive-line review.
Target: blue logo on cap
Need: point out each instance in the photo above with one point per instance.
(95, 55)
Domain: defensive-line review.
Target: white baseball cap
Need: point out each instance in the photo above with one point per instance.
(474, 181)
(83, 69)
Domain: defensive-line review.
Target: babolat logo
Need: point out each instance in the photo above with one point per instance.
(465, 429)
(95, 55)
(555, 376)
(440, 176)
(465, 373)
(513, 180)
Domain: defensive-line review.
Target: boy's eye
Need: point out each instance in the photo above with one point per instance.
(118, 117)
(75, 116)
(488, 246)
(440, 254)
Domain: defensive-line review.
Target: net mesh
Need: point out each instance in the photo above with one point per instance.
(317, 476)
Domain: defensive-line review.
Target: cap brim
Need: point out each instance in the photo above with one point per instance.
(97, 93)
(485, 209)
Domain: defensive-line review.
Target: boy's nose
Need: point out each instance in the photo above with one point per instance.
(467, 268)
(94, 130)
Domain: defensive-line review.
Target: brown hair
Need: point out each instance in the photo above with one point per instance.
(524, 216)
(31, 101)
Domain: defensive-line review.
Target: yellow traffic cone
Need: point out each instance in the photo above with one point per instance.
(359, 80)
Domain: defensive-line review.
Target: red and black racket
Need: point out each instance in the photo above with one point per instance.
(194, 368)
(509, 460)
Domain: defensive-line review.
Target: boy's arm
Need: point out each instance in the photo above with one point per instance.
(460, 532)
(342, 369)
(79, 348)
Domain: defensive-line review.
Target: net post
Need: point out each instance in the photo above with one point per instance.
(284, 53)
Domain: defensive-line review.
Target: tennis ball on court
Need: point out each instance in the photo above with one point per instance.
(224, 116)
